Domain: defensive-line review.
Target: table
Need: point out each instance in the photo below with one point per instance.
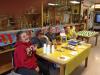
(88, 34)
(74, 58)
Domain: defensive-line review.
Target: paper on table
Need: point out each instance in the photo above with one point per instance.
(82, 42)
(73, 53)
(81, 47)
(63, 58)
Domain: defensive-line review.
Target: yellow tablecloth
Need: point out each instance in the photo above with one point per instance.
(75, 58)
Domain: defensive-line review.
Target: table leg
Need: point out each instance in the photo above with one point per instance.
(86, 62)
(82, 39)
(62, 70)
(96, 40)
(87, 40)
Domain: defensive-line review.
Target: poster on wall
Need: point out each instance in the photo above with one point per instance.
(91, 20)
(66, 18)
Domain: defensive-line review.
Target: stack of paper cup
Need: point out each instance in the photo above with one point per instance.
(44, 49)
(48, 49)
(52, 49)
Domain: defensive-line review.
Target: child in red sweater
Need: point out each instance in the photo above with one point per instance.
(24, 57)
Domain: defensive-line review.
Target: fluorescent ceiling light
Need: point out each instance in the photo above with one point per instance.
(96, 6)
(52, 4)
(75, 2)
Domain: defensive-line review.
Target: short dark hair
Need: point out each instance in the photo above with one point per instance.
(39, 32)
(58, 38)
(18, 35)
(49, 28)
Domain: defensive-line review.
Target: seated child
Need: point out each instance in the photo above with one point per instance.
(25, 60)
(70, 32)
(40, 39)
(58, 40)
(73, 32)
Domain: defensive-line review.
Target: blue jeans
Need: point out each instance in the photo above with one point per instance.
(44, 69)
(25, 71)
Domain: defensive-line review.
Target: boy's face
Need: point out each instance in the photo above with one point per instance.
(67, 29)
(24, 37)
(50, 30)
(40, 36)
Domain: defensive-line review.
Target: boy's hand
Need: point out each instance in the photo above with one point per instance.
(29, 51)
(33, 47)
(37, 69)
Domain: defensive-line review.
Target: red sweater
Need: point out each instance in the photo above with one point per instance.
(21, 59)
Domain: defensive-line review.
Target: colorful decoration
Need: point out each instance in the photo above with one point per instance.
(9, 38)
(0, 40)
(13, 37)
(4, 39)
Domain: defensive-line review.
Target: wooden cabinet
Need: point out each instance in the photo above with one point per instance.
(6, 60)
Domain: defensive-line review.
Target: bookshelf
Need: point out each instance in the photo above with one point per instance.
(6, 60)
(6, 67)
